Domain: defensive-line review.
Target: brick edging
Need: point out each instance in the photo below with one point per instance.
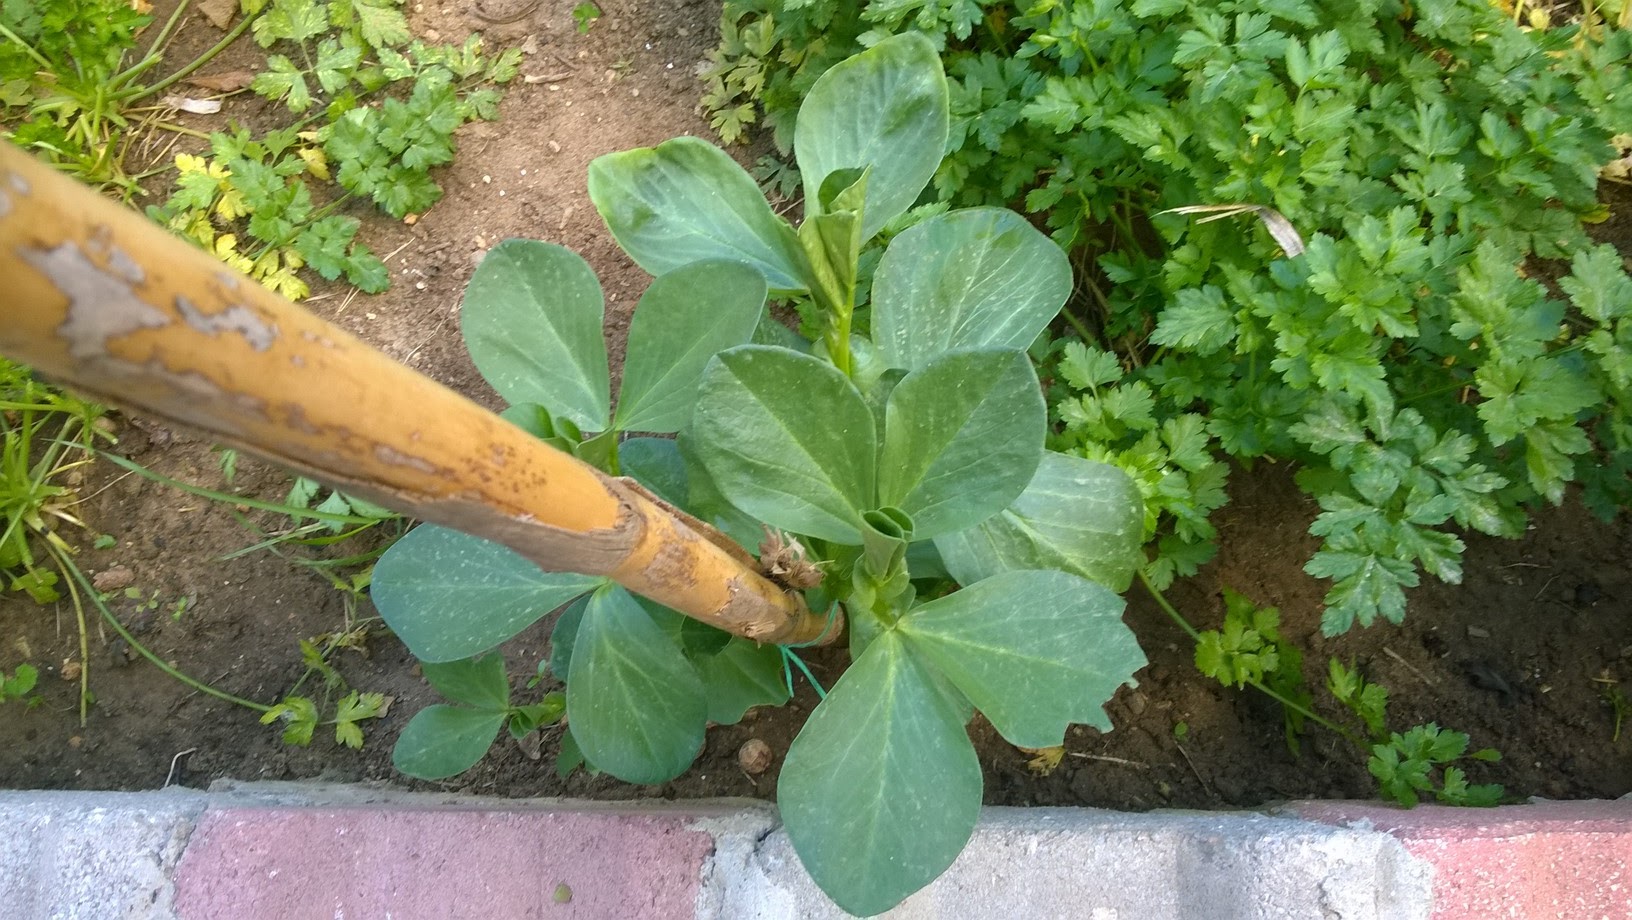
(287, 850)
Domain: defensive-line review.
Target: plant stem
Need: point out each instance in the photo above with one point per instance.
(155, 51)
(230, 499)
(64, 564)
(147, 653)
(27, 48)
(1195, 635)
(1077, 324)
(138, 93)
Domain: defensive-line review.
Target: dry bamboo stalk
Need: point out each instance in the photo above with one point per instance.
(103, 300)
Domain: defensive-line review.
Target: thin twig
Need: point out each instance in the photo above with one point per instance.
(173, 761)
(1109, 759)
(1407, 665)
(1545, 585)
(1204, 786)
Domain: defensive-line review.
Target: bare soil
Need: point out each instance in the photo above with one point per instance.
(1521, 656)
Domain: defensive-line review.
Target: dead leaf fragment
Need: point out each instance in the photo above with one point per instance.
(1281, 229)
(218, 12)
(784, 558)
(194, 106)
(1044, 760)
(229, 82)
(113, 579)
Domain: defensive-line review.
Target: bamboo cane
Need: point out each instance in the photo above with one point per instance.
(98, 297)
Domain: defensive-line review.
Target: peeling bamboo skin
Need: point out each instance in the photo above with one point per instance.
(98, 297)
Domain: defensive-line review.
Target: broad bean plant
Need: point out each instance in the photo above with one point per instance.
(899, 477)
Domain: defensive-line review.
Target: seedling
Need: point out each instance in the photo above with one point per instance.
(901, 462)
(1250, 651)
(19, 684)
(1407, 362)
(584, 16)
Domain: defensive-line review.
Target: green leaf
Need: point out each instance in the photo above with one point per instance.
(635, 703)
(1034, 651)
(291, 20)
(1075, 515)
(442, 741)
(788, 439)
(832, 245)
(335, 65)
(886, 108)
(686, 200)
(532, 322)
(686, 317)
(449, 595)
(380, 24)
(981, 276)
(282, 81)
(1199, 320)
(479, 683)
(962, 437)
(741, 676)
(1598, 284)
(881, 790)
(563, 636)
(324, 243)
(656, 464)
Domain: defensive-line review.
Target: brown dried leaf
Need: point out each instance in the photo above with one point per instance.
(1281, 229)
(193, 106)
(219, 12)
(230, 82)
(1044, 760)
(785, 560)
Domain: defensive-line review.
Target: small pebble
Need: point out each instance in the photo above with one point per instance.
(754, 757)
(113, 579)
(1478, 632)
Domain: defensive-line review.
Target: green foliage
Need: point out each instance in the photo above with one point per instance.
(1250, 650)
(62, 83)
(1404, 765)
(444, 740)
(301, 718)
(19, 684)
(854, 461)
(1413, 160)
(45, 434)
(584, 16)
(387, 110)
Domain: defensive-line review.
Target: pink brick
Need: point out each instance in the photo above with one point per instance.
(416, 864)
(1530, 862)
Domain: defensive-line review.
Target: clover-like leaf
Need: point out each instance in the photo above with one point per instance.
(881, 790)
(448, 595)
(635, 702)
(1034, 651)
(686, 200)
(967, 278)
(962, 438)
(788, 439)
(532, 322)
